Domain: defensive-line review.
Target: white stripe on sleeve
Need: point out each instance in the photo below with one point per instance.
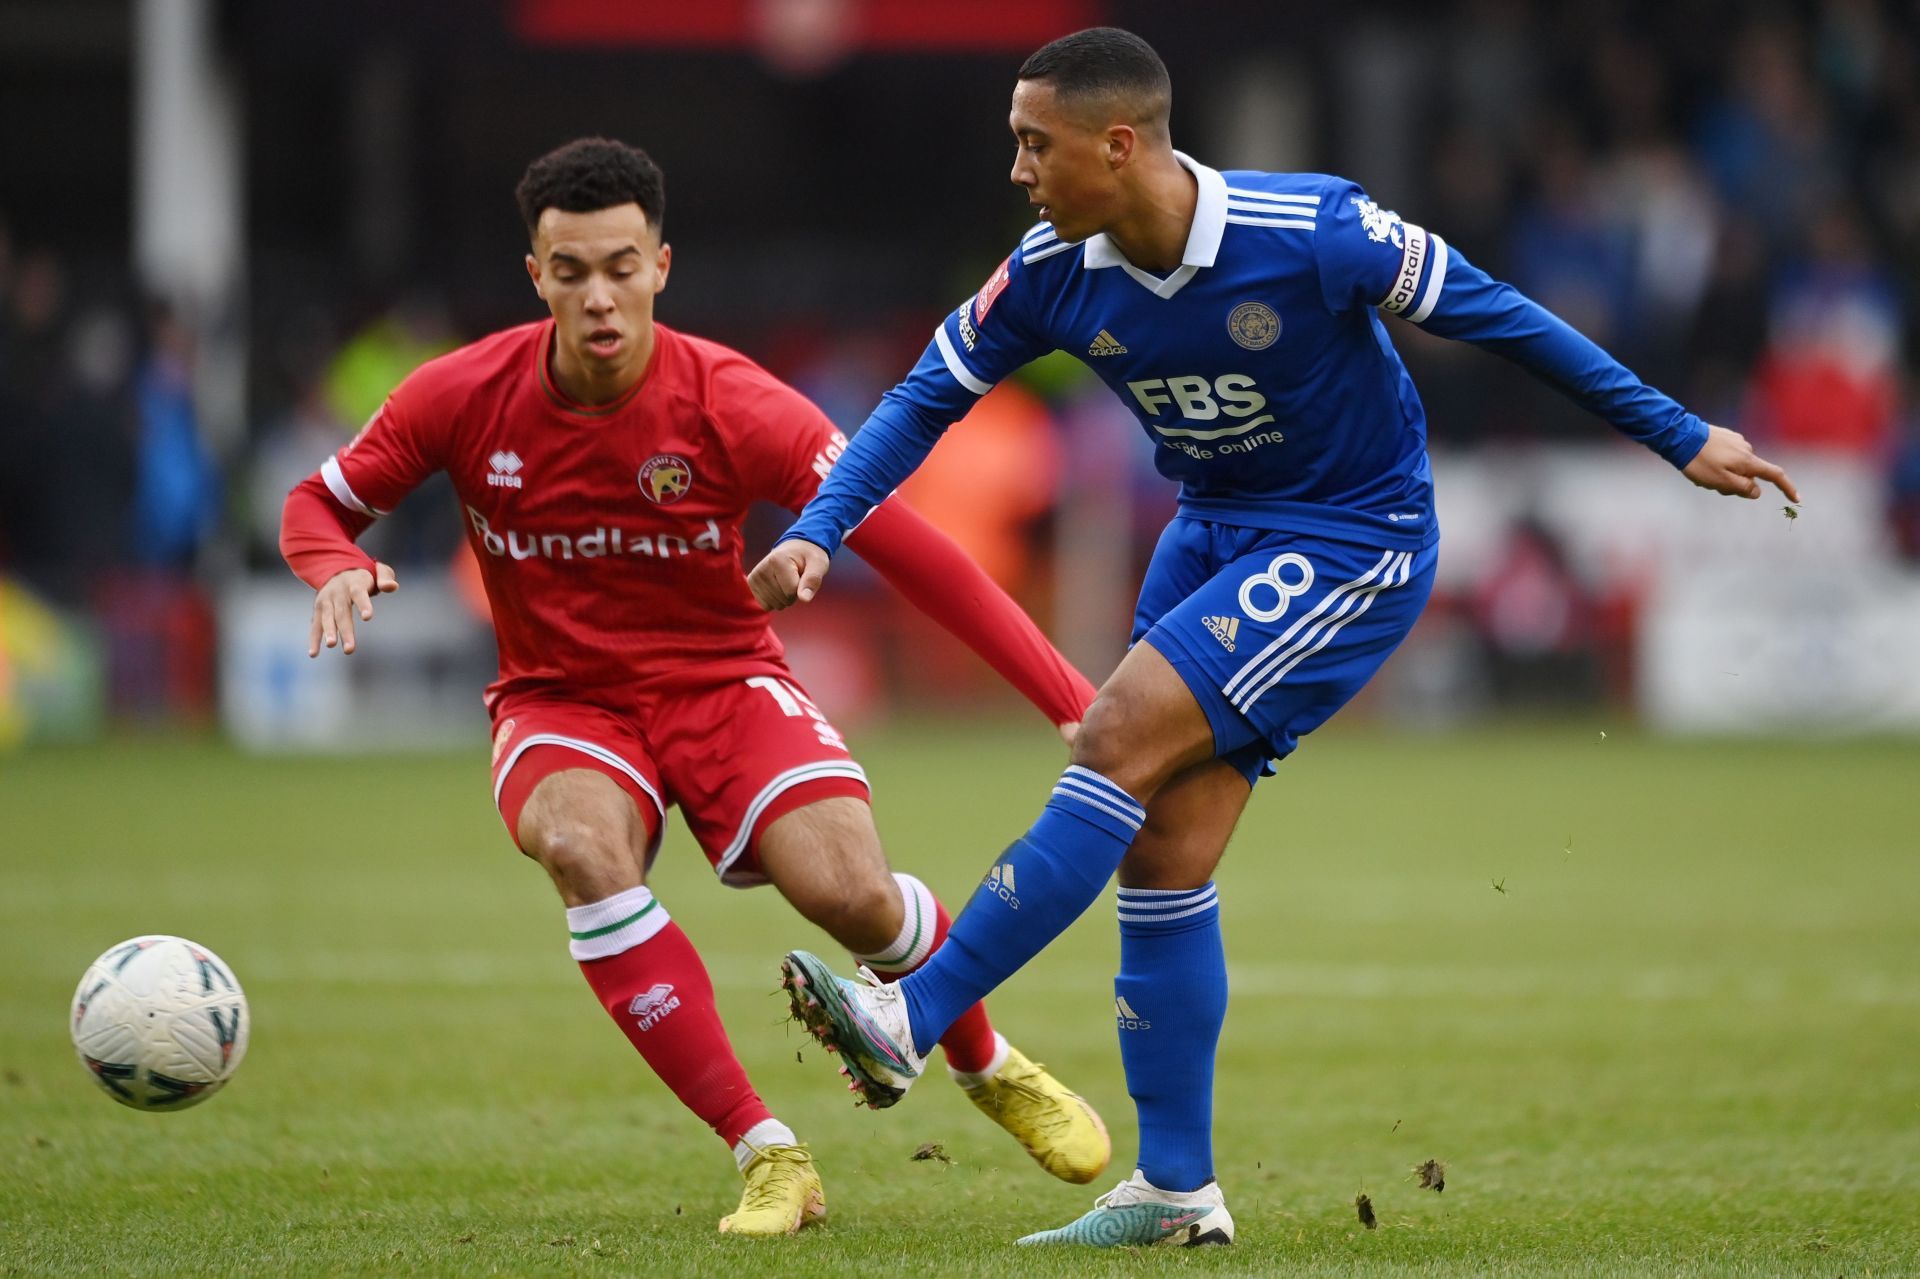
(342, 491)
(961, 374)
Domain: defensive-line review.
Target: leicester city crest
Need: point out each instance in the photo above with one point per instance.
(665, 479)
(1253, 325)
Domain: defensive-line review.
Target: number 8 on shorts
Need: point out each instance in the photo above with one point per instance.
(1274, 579)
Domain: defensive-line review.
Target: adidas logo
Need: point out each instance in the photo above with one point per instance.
(999, 882)
(1128, 1019)
(1225, 629)
(506, 470)
(652, 1005)
(1106, 344)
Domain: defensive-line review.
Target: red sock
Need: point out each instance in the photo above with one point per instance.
(661, 996)
(969, 1042)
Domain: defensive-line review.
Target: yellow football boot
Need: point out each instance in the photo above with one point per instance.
(783, 1194)
(1057, 1127)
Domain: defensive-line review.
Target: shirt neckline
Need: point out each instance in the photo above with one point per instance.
(1203, 237)
(570, 407)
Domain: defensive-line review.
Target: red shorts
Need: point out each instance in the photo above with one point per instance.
(736, 747)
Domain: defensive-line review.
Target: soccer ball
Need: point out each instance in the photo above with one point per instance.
(160, 1022)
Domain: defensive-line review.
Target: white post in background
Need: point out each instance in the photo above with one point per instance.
(189, 196)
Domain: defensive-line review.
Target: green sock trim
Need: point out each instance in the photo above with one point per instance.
(590, 934)
(919, 926)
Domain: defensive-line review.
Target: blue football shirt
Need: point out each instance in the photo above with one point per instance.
(1259, 368)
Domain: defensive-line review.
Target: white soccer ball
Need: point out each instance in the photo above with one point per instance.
(160, 1022)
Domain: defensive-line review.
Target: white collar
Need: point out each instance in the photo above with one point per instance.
(1203, 238)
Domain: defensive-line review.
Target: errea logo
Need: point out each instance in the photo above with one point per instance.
(652, 1005)
(506, 470)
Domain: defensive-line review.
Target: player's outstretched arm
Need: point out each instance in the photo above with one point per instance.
(790, 573)
(940, 579)
(346, 594)
(1727, 464)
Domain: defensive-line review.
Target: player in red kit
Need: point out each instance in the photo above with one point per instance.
(604, 463)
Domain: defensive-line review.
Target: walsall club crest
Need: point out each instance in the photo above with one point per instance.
(665, 479)
(1253, 325)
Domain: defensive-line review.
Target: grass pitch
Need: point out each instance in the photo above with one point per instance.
(1655, 1005)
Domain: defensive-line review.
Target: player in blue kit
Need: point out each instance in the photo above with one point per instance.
(1236, 315)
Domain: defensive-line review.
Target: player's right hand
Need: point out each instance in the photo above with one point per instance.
(1727, 464)
(347, 592)
(791, 571)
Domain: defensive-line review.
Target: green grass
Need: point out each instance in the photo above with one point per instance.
(1684, 1039)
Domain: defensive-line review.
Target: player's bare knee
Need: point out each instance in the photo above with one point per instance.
(1112, 744)
(586, 860)
(864, 916)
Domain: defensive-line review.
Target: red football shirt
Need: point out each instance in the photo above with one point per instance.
(608, 536)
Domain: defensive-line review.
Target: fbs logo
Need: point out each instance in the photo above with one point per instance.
(665, 479)
(501, 738)
(1225, 629)
(1128, 1019)
(506, 470)
(999, 882)
(650, 1006)
(1106, 344)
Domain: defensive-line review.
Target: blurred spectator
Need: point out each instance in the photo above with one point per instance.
(1533, 617)
(1765, 142)
(1566, 251)
(379, 357)
(1903, 480)
(990, 479)
(1830, 374)
(176, 498)
(85, 468)
(288, 451)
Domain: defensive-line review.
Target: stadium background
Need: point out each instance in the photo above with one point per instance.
(227, 230)
(1586, 887)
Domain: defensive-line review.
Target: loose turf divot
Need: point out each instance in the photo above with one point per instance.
(1363, 1205)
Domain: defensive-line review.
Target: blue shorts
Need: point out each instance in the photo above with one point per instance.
(1274, 632)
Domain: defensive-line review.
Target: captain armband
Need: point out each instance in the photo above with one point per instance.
(1421, 254)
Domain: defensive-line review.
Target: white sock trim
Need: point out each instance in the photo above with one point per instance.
(617, 924)
(768, 1132)
(974, 1078)
(910, 949)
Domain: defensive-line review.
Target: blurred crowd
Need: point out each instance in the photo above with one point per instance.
(1725, 196)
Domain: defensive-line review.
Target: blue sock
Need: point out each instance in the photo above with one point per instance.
(1038, 886)
(1170, 1001)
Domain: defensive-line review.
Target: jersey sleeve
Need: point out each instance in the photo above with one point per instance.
(1368, 257)
(325, 513)
(393, 454)
(781, 444)
(933, 574)
(978, 343)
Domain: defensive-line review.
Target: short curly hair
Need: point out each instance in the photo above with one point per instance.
(589, 174)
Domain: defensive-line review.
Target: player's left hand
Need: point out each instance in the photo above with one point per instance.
(791, 571)
(1068, 731)
(1727, 464)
